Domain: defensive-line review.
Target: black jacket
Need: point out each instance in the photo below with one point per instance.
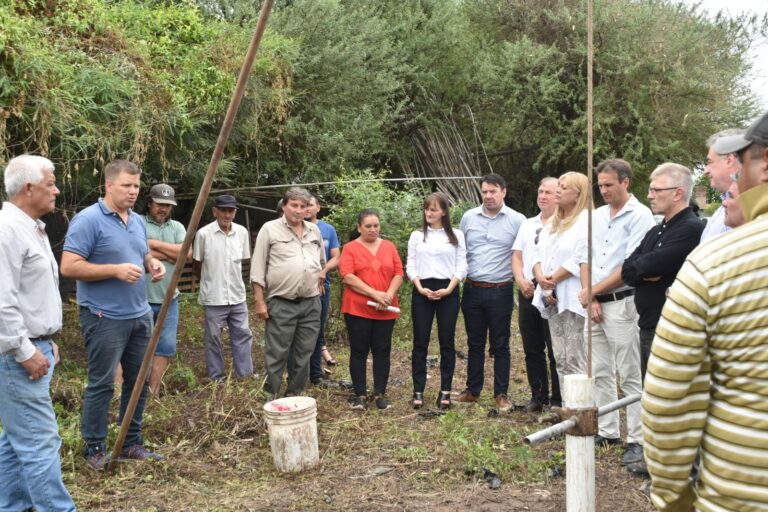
(661, 254)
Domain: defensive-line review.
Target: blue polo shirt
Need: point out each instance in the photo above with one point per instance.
(99, 235)
(489, 243)
(330, 241)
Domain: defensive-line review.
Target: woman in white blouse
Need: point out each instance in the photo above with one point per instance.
(561, 247)
(437, 262)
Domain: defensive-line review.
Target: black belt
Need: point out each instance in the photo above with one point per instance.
(40, 338)
(481, 284)
(297, 300)
(611, 297)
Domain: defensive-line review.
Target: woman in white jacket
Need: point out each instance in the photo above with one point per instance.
(561, 245)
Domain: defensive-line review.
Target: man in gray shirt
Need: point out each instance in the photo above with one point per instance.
(30, 312)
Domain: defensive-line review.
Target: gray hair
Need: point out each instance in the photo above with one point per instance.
(546, 179)
(299, 193)
(115, 167)
(680, 176)
(25, 169)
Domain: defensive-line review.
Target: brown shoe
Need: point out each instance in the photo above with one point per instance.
(534, 406)
(503, 403)
(465, 397)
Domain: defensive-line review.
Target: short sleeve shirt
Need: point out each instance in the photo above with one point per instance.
(222, 255)
(171, 232)
(100, 236)
(489, 243)
(330, 241)
(525, 242)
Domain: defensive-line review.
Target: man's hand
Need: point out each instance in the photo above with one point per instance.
(129, 272)
(547, 283)
(37, 365)
(56, 357)
(261, 310)
(584, 297)
(157, 269)
(526, 288)
(596, 312)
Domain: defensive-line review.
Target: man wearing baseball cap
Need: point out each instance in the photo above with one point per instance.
(165, 237)
(707, 383)
(219, 251)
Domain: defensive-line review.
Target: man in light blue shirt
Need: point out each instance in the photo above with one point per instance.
(618, 228)
(488, 298)
(722, 163)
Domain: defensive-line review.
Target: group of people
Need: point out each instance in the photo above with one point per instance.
(688, 322)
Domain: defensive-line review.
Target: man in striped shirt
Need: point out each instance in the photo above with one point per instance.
(707, 381)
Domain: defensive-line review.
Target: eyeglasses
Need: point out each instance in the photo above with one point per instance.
(656, 190)
(536, 240)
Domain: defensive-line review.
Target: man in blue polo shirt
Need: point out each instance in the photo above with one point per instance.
(332, 257)
(490, 231)
(106, 251)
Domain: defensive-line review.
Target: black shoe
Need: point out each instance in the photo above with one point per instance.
(321, 382)
(381, 402)
(418, 400)
(604, 442)
(358, 403)
(632, 454)
(533, 406)
(639, 469)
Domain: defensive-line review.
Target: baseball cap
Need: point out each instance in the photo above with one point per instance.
(163, 194)
(225, 201)
(757, 132)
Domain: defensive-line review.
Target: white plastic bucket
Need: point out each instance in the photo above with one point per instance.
(292, 426)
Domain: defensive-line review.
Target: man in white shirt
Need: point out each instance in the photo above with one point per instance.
(618, 227)
(537, 343)
(721, 165)
(217, 258)
(30, 312)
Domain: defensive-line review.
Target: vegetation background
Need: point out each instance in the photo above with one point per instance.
(347, 85)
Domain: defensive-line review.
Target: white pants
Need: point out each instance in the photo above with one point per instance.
(616, 347)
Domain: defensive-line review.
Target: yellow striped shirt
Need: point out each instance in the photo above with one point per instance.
(707, 380)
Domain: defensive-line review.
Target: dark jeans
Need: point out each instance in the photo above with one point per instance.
(423, 312)
(109, 342)
(537, 345)
(374, 336)
(487, 316)
(646, 340)
(315, 362)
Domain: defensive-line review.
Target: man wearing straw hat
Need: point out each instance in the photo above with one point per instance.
(707, 383)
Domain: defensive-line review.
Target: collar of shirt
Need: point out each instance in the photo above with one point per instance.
(150, 220)
(106, 210)
(20, 214)
(631, 204)
(503, 211)
(305, 223)
(432, 230)
(754, 201)
(231, 229)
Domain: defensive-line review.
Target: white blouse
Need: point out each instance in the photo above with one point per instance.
(562, 250)
(435, 257)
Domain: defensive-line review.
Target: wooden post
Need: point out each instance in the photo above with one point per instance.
(580, 450)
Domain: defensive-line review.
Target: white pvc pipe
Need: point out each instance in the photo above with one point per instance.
(580, 450)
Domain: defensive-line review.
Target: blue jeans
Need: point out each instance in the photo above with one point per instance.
(487, 315)
(30, 468)
(108, 342)
(166, 345)
(315, 362)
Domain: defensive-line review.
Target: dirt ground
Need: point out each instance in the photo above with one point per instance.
(217, 454)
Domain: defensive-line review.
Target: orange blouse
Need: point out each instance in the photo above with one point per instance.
(376, 271)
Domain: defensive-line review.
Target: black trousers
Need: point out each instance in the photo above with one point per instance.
(374, 336)
(423, 312)
(646, 340)
(537, 345)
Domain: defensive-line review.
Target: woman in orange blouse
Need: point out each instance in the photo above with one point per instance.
(372, 272)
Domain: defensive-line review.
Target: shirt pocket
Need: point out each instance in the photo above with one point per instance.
(281, 248)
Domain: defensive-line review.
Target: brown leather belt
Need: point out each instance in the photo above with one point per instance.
(481, 284)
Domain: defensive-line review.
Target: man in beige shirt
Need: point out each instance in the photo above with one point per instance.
(218, 254)
(287, 277)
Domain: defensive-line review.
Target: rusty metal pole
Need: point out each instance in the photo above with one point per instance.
(202, 198)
